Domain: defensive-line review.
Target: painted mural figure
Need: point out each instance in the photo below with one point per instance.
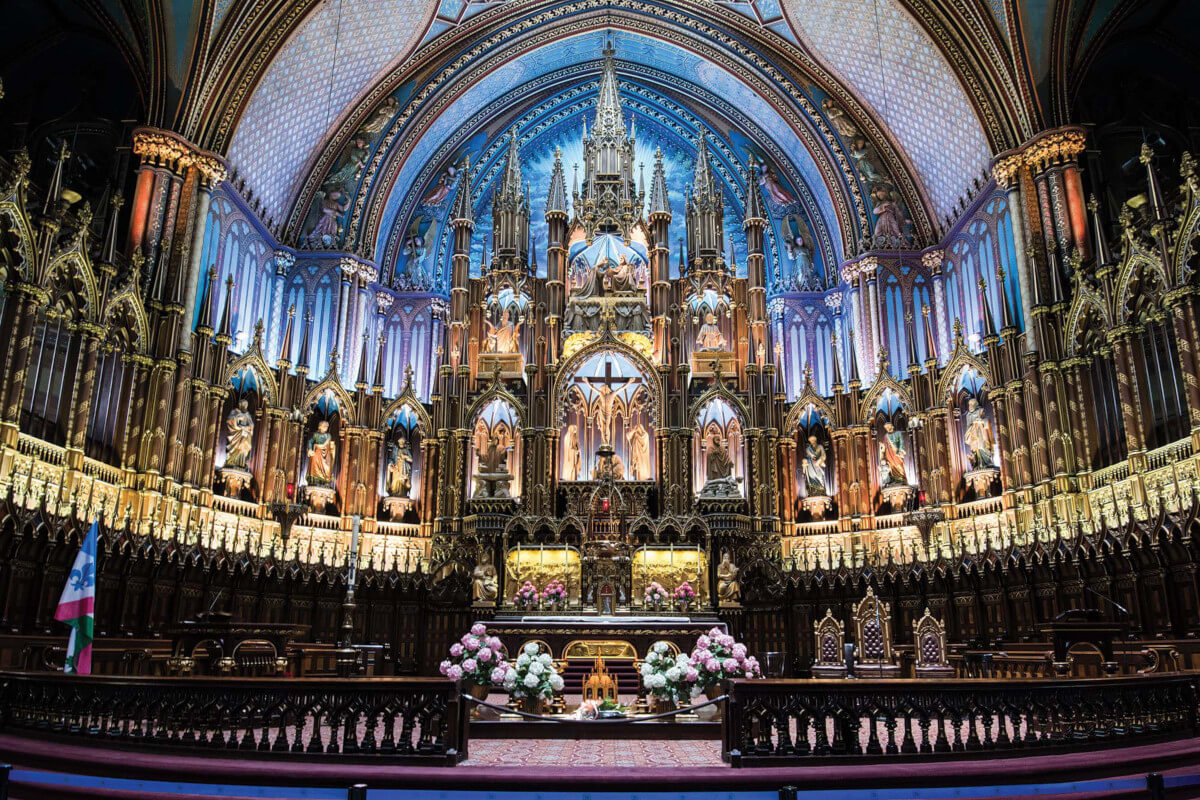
(891, 456)
(639, 453)
(571, 455)
(981, 443)
(503, 338)
(239, 426)
(813, 467)
(839, 119)
(322, 453)
(860, 151)
(399, 472)
(710, 339)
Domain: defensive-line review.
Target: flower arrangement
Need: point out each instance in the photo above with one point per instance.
(717, 658)
(668, 676)
(533, 675)
(477, 659)
(685, 595)
(555, 594)
(527, 595)
(656, 595)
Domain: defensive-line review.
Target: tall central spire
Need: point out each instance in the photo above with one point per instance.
(609, 122)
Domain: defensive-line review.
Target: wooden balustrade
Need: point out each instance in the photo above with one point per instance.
(782, 722)
(405, 720)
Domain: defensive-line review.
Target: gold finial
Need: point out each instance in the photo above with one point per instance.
(1093, 205)
(982, 284)
(958, 328)
(925, 309)
(291, 311)
(258, 334)
(408, 373)
(333, 360)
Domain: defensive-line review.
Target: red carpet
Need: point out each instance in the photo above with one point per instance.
(593, 753)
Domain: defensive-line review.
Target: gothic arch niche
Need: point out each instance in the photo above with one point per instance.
(816, 476)
(238, 447)
(710, 330)
(719, 454)
(976, 435)
(319, 458)
(401, 470)
(504, 333)
(496, 451)
(607, 399)
(895, 464)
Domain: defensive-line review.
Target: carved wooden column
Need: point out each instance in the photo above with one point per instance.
(25, 302)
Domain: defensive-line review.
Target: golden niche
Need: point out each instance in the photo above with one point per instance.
(541, 564)
(670, 567)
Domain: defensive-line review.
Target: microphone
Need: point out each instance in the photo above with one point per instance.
(1109, 600)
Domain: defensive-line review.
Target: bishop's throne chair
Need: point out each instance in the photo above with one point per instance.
(929, 648)
(873, 634)
(830, 642)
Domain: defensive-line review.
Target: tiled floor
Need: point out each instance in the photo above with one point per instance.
(583, 753)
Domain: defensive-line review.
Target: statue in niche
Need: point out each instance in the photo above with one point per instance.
(719, 480)
(729, 589)
(379, 117)
(333, 203)
(503, 338)
(840, 121)
(891, 456)
(613, 465)
(978, 436)
(813, 467)
(710, 339)
(399, 471)
(484, 583)
(777, 195)
(864, 160)
(605, 411)
(493, 478)
(239, 427)
(322, 452)
(621, 278)
(356, 161)
(593, 282)
(571, 455)
(639, 453)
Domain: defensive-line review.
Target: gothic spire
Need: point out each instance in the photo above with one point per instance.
(754, 208)
(837, 362)
(463, 208)
(381, 346)
(660, 203)
(556, 198)
(911, 328)
(702, 183)
(853, 359)
(609, 122)
(1006, 320)
(931, 352)
(305, 332)
(206, 304)
(361, 383)
(285, 346)
(513, 186)
(225, 330)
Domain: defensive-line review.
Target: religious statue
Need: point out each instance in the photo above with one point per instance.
(239, 427)
(891, 456)
(333, 202)
(710, 339)
(322, 452)
(605, 406)
(571, 456)
(889, 218)
(639, 453)
(493, 478)
(719, 472)
(839, 120)
(621, 278)
(813, 467)
(399, 471)
(981, 443)
(484, 584)
(777, 195)
(593, 282)
(356, 160)
(503, 338)
(379, 117)
(612, 465)
(729, 589)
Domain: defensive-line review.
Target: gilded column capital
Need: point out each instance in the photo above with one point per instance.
(932, 260)
(170, 150)
(284, 261)
(1006, 167)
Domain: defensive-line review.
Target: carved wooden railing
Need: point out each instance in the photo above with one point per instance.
(404, 720)
(780, 722)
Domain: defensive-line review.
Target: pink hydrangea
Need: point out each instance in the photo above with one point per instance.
(498, 674)
(469, 665)
(456, 650)
(484, 655)
(715, 632)
(712, 665)
(478, 629)
(692, 675)
(493, 643)
(739, 651)
(444, 667)
(471, 642)
(454, 672)
(725, 640)
(752, 666)
(703, 642)
(729, 665)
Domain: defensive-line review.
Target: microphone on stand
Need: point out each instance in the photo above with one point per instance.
(1109, 600)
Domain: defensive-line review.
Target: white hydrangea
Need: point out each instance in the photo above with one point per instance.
(660, 647)
(531, 648)
(556, 683)
(659, 681)
(674, 674)
(522, 660)
(647, 669)
(652, 658)
(536, 668)
(531, 680)
(546, 659)
(695, 691)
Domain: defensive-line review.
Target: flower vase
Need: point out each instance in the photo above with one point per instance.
(531, 705)
(684, 605)
(481, 693)
(661, 705)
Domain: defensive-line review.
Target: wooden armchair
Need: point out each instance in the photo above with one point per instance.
(873, 634)
(830, 640)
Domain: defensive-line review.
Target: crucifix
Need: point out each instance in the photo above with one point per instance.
(608, 389)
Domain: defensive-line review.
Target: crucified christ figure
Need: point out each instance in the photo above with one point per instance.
(604, 405)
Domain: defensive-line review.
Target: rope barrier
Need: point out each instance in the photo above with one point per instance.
(625, 720)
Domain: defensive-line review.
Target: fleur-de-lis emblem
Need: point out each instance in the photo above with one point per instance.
(83, 578)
